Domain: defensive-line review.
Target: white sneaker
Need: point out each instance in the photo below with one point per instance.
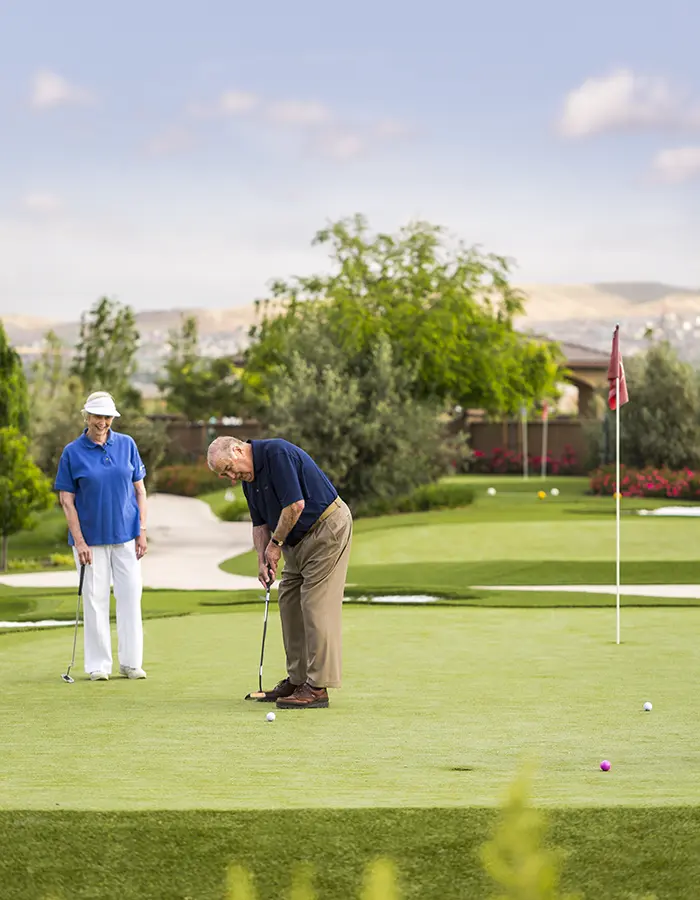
(132, 672)
(99, 676)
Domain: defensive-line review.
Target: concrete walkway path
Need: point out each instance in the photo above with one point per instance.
(186, 544)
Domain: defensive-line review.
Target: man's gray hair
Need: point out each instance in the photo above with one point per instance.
(222, 447)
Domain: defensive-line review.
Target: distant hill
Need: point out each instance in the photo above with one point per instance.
(582, 313)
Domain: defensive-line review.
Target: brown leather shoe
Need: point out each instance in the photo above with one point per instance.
(284, 688)
(305, 697)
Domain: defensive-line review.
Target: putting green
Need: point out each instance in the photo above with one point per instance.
(542, 541)
(439, 708)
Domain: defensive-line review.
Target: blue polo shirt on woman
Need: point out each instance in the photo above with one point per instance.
(285, 474)
(102, 478)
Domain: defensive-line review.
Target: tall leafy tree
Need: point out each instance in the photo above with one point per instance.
(198, 386)
(24, 489)
(366, 430)
(14, 407)
(56, 398)
(105, 355)
(661, 427)
(446, 309)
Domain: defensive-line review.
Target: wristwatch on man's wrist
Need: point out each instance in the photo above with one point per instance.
(276, 542)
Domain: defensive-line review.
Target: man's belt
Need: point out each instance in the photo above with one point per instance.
(326, 512)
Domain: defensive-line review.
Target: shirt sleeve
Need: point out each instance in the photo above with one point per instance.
(139, 472)
(64, 476)
(255, 517)
(284, 478)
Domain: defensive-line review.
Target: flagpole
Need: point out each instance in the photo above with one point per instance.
(525, 449)
(545, 427)
(617, 498)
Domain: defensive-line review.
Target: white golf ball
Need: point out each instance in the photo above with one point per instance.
(270, 717)
(647, 707)
(554, 492)
(491, 491)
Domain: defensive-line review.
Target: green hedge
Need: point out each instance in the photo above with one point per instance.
(187, 480)
(429, 496)
(237, 511)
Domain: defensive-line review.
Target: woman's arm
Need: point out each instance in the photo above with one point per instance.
(142, 501)
(67, 501)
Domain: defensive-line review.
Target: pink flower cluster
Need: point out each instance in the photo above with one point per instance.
(649, 482)
(508, 462)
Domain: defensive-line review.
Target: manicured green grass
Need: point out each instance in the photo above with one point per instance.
(528, 542)
(439, 708)
(38, 544)
(610, 854)
(35, 604)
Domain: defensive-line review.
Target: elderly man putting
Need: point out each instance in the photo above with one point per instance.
(296, 512)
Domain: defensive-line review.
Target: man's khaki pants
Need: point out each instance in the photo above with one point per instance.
(311, 600)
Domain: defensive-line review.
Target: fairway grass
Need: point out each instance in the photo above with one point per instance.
(439, 708)
(609, 854)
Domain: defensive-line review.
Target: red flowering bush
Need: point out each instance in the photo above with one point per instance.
(508, 462)
(649, 482)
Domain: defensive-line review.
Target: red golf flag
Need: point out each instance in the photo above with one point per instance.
(615, 370)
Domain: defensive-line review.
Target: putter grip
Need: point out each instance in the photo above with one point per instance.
(82, 579)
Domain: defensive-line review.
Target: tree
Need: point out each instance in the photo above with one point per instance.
(48, 372)
(447, 311)
(24, 490)
(197, 386)
(56, 398)
(368, 433)
(105, 355)
(660, 426)
(14, 408)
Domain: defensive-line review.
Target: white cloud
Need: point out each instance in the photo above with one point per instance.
(50, 89)
(678, 164)
(172, 140)
(233, 103)
(39, 202)
(297, 112)
(624, 101)
(340, 144)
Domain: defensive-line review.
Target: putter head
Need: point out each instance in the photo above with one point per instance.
(68, 679)
(255, 695)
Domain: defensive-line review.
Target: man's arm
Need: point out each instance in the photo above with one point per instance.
(288, 519)
(261, 538)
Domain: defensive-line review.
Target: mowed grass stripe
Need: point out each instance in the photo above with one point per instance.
(545, 541)
(616, 854)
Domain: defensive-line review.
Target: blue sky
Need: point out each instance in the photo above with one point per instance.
(180, 154)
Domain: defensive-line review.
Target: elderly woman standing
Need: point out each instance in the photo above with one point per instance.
(100, 483)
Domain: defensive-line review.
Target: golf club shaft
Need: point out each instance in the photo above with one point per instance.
(267, 607)
(77, 617)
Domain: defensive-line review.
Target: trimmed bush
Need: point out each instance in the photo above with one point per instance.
(649, 482)
(429, 496)
(187, 480)
(237, 511)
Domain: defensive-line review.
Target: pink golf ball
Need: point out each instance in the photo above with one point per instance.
(605, 765)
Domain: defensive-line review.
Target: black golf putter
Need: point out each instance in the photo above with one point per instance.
(259, 694)
(67, 677)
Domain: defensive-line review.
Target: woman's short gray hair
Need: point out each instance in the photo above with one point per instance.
(222, 446)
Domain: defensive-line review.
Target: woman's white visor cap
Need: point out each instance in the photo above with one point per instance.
(101, 406)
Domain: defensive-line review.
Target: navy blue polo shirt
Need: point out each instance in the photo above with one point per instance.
(102, 479)
(285, 474)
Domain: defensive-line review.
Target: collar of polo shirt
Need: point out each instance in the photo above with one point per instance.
(90, 443)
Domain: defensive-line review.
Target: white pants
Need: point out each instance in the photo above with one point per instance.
(117, 564)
